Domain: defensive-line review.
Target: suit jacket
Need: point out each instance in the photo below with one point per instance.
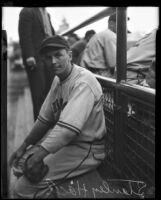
(31, 32)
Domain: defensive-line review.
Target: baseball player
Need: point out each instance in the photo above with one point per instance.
(67, 139)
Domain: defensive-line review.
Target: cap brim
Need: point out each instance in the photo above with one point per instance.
(51, 47)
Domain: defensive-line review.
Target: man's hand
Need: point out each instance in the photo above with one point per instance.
(39, 154)
(34, 168)
(17, 155)
(31, 62)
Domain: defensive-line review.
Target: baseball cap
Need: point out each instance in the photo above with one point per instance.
(53, 43)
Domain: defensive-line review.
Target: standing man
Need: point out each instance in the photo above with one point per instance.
(34, 26)
(68, 134)
(72, 38)
(79, 46)
(100, 52)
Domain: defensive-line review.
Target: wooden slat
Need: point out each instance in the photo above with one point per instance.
(140, 150)
(144, 141)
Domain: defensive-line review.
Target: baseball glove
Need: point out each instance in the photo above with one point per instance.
(35, 174)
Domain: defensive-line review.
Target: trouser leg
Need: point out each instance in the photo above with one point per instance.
(23, 189)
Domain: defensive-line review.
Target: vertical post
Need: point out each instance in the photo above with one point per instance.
(121, 43)
(4, 177)
(119, 100)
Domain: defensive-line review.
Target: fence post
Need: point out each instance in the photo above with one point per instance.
(120, 101)
(4, 177)
(121, 43)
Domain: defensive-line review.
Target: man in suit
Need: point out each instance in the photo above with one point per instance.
(34, 26)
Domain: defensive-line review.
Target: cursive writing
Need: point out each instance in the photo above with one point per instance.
(107, 188)
(131, 188)
(75, 190)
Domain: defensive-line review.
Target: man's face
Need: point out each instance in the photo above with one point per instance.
(112, 26)
(59, 61)
(71, 40)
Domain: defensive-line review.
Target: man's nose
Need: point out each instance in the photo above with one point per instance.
(54, 60)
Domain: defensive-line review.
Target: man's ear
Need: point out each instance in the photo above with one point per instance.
(70, 54)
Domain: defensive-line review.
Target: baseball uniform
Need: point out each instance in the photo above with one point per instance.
(74, 105)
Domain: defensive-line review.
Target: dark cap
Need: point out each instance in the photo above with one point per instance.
(113, 18)
(53, 43)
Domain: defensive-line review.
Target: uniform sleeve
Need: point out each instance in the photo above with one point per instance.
(72, 118)
(57, 138)
(78, 108)
(110, 50)
(47, 114)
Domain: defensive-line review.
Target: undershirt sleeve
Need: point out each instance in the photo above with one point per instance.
(110, 51)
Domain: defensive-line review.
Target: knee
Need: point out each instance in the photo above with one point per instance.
(17, 189)
(20, 189)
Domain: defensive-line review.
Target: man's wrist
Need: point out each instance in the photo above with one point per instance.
(28, 142)
(41, 153)
(25, 145)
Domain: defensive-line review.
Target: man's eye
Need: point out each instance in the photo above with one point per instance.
(57, 55)
(47, 57)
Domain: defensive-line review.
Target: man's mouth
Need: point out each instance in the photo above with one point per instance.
(55, 67)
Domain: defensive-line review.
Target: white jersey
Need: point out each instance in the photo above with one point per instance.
(75, 104)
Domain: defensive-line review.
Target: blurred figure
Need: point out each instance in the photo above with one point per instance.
(149, 80)
(4, 171)
(100, 53)
(16, 57)
(72, 38)
(150, 77)
(79, 46)
(4, 44)
(132, 38)
(34, 26)
(140, 57)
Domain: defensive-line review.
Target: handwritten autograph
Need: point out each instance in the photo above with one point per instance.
(132, 187)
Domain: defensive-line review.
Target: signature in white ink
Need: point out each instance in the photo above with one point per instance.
(73, 189)
(131, 188)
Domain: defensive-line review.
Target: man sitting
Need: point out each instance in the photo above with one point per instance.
(67, 139)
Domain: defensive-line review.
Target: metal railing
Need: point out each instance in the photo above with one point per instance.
(106, 12)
